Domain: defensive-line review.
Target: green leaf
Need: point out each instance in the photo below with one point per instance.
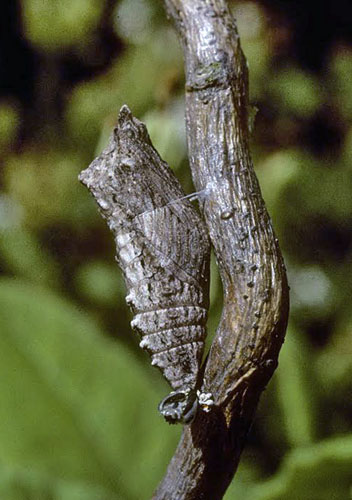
(47, 188)
(25, 257)
(53, 25)
(278, 169)
(334, 362)
(166, 130)
(319, 472)
(295, 389)
(340, 74)
(101, 282)
(73, 404)
(246, 477)
(312, 292)
(135, 79)
(256, 43)
(132, 28)
(22, 484)
(297, 92)
(347, 149)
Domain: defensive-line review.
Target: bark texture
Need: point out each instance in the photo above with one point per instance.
(245, 350)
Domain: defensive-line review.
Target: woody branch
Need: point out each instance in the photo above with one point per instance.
(244, 352)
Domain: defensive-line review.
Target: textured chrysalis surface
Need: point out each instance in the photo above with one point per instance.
(163, 251)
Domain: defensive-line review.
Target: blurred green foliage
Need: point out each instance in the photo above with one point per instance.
(53, 25)
(68, 394)
(73, 382)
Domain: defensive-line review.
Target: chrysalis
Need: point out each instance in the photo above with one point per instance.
(163, 251)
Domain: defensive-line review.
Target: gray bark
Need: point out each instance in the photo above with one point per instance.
(244, 353)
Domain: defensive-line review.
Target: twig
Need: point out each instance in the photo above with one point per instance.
(244, 352)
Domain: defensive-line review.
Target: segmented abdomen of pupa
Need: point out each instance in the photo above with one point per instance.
(165, 271)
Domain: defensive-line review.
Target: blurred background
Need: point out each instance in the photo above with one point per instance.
(78, 418)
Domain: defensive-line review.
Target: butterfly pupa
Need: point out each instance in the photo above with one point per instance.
(163, 250)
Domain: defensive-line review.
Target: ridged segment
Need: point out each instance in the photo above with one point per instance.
(163, 319)
(161, 341)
